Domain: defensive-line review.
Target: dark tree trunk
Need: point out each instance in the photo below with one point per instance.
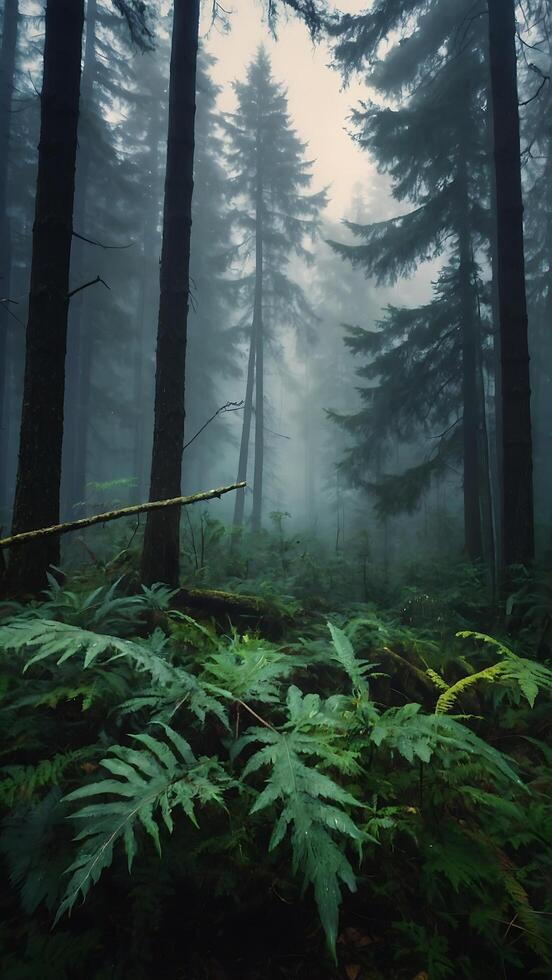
(258, 339)
(146, 301)
(239, 505)
(39, 471)
(7, 69)
(472, 515)
(541, 363)
(160, 559)
(517, 465)
(485, 479)
(495, 443)
(80, 341)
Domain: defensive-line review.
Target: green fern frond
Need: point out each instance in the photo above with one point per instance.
(311, 805)
(449, 697)
(247, 668)
(51, 639)
(345, 656)
(151, 782)
(528, 675)
(414, 735)
(22, 783)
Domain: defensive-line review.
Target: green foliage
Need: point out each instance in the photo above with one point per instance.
(152, 783)
(307, 801)
(527, 675)
(295, 778)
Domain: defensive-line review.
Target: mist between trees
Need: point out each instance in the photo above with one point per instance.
(351, 409)
(303, 718)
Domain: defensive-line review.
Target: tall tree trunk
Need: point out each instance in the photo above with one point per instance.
(495, 442)
(140, 467)
(310, 451)
(541, 363)
(472, 516)
(485, 479)
(7, 70)
(80, 341)
(160, 559)
(258, 339)
(517, 464)
(39, 471)
(239, 505)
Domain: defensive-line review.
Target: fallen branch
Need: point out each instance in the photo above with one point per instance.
(114, 515)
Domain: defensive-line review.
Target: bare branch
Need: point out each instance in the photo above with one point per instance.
(229, 407)
(93, 241)
(85, 285)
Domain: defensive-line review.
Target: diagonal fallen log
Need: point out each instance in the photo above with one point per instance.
(113, 515)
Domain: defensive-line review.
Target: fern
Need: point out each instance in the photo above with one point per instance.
(22, 783)
(344, 654)
(414, 735)
(58, 640)
(528, 675)
(153, 780)
(28, 844)
(247, 669)
(311, 804)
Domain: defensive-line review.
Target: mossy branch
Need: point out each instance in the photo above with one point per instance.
(113, 515)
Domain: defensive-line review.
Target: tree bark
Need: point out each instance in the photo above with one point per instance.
(517, 465)
(7, 71)
(160, 559)
(146, 300)
(39, 471)
(80, 341)
(472, 514)
(239, 505)
(258, 339)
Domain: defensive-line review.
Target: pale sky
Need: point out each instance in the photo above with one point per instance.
(318, 106)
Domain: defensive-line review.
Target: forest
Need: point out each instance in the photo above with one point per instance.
(275, 489)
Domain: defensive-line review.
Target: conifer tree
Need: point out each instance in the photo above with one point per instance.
(536, 93)
(270, 177)
(7, 74)
(160, 558)
(427, 362)
(517, 461)
(39, 472)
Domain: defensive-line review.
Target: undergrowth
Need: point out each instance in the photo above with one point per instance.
(368, 797)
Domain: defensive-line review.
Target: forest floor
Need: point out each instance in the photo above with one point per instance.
(345, 779)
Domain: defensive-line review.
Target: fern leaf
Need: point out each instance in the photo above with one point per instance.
(345, 656)
(448, 698)
(312, 806)
(153, 780)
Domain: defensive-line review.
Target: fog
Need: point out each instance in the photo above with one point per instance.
(338, 110)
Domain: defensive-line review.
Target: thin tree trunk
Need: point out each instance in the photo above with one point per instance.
(80, 340)
(39, 472)
(7, 70)
(310, 453)
(145, 300)
(485, 485)
(517, 464)
(495, 443)
(239, 505)
(160, 559)
(258, 338)
(472, 516)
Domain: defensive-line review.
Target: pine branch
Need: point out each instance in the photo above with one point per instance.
(114, 515)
